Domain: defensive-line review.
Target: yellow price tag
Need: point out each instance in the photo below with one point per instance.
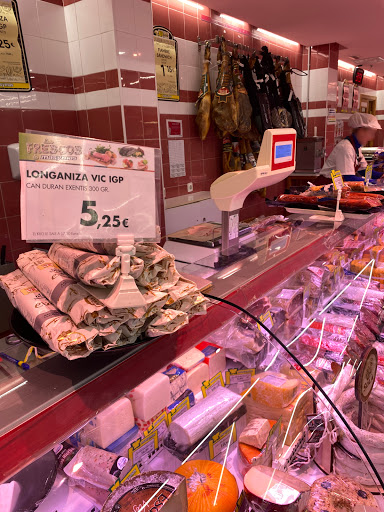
(337, 180)
(368, 173)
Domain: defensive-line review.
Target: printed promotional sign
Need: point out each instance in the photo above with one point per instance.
(337, 179)
(14, 71)
(166, 65)
(81, 189)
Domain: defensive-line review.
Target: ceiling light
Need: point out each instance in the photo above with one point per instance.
(345, 65)
(271, 34)
(192, 4)
(121, 53)
(233, 21)
(369, 73)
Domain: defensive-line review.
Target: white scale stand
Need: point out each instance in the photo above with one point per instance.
(276, 161)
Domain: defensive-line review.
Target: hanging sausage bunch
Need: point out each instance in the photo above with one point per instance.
(251, 96)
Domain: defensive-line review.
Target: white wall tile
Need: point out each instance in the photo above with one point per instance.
(80, 101)
(35, 56)
(91, 50)
(62, 101)
(189, 78)
(148, 98)
(131, 97)
(109, 50)
(71, 22)
(56, 56)
(124, 16)
(176, 108)
(9, 100)
(113, 97)
(34, 100)
(28, 17)
(51, 21)
(75, 57)
(188, 53)
(106, 15)
(380, 100)
(88, 19)
(126, 46)
(146, 52)
(96, 99)
(143, 18)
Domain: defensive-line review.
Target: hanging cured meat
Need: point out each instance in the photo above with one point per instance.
(291, 102)
(243, 105)
(265, 106)
(204, 101)
(224, 111)
(252, 90)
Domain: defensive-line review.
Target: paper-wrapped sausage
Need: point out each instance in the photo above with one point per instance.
(89, 268)
(66, 294)
(56, 329)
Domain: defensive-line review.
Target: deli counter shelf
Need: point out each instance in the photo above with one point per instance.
(56, 397)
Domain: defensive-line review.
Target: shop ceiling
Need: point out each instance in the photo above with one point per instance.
(355, 24)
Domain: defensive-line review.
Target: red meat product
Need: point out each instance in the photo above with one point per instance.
(326, 344)
(338, 324)
(292, 198)
(380, 375)
(289, 300)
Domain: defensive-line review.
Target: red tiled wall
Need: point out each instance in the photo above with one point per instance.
(203, 159)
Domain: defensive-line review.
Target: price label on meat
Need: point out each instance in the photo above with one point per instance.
(166, 65)
(82, 189)
(14, 71)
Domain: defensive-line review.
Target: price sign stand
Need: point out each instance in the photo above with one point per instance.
(368, 174)
(365, 379)
(338, 183)
(79, 189)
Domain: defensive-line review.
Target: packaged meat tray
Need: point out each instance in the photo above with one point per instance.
(289, 300)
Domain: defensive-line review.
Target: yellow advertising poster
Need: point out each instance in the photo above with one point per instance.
(14, 73)
(166, 65)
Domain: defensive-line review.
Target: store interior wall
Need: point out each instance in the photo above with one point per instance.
(93, 74)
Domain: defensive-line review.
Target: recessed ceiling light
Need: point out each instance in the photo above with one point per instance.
(233, 21)
(192, 4)
(271, 34)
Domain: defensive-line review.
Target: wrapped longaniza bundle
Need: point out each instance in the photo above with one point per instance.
(66, 294)
(92, 269)
(167, 322)
(159, 267)
(185, 296)
(56, 329)
(99, 248)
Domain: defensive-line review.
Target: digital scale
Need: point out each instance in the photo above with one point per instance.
(276, 161)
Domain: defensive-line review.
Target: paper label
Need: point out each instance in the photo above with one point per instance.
(267, 320)
(337, 180)
(14, 71)
(242, 504)
(142, 449)
(368, 173)
(161, 425)
(210, 385)
(219, 441)
(81, 189)
(166, 65)
(134, 471)
(239, 380)
(180, 409)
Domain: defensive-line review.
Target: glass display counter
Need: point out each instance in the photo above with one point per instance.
(178, 403)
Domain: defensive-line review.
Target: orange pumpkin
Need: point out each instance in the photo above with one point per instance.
(203, 478)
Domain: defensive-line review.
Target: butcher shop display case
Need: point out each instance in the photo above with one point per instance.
(272, 400)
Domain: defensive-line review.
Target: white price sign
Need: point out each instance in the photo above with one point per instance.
(80, 189)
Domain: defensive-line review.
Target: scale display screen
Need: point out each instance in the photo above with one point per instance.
(283, 152)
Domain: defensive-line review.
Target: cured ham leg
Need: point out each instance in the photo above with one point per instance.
(204, 101)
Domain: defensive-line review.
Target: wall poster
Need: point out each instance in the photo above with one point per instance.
(167, 77)
(14, 71)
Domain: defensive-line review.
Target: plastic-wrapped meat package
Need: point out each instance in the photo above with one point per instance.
(289, 300)
(339, 324)
(246, 345)
(327, 343)
(258, 308)
(95, 466)
(57, 329)
(317, 278)
(66, 294)
(362, 282)
(380, 375)
(311, 305)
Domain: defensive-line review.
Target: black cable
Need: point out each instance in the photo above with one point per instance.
(297, 361)
(319, 467)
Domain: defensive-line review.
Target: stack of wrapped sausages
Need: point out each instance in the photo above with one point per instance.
(47, 290)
